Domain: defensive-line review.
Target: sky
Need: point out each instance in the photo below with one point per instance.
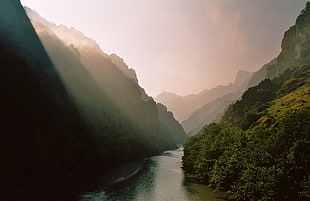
(180, 46)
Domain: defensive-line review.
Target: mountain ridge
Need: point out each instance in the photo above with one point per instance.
(69, 115)
(110, 74)
(195, 102)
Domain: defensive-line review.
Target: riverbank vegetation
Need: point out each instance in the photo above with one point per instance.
(260, 149)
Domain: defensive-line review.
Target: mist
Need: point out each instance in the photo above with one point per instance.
(181, 46)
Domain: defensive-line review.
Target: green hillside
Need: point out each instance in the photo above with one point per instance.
(259, 151)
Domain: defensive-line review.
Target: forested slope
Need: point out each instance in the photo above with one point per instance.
(260, 150)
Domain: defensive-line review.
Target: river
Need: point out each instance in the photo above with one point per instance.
(158, 178)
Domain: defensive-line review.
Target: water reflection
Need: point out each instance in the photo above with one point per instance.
(159, 179)
(199, 192)
(138, 187)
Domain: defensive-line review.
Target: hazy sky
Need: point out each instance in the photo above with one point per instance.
(181, 46)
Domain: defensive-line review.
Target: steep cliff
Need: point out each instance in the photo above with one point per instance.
(295, 45)
(294, 50)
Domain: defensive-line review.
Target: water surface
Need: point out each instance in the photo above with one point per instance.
(158, 178)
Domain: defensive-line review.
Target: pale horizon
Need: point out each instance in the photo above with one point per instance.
(180, 46)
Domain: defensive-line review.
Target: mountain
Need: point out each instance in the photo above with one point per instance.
(205, 107)
(295, 50)
(259, 149)
(44, 142)
(122, 66)
(211, 112)
(260, 75)
(38, 133)
(242, 77)
(70, 112)
(184, 106)
(104, 77)
(267, 102)
(173, 126)
(180, 106)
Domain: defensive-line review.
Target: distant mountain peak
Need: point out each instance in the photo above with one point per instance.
(184, 107)
(167, 93)
(167, 96)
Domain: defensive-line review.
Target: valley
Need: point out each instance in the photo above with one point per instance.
(78, 123)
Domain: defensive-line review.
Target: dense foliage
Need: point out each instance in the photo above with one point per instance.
(260, 150)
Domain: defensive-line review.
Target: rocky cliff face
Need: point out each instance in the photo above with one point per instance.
(296, 43)
(294, 51)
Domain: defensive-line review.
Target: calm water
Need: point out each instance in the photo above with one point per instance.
(158, 178)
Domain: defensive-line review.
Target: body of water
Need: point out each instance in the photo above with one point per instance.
(158, 178)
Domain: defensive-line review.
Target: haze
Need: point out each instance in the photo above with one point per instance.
(180, 46)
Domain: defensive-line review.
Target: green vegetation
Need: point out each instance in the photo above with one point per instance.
(260, 149)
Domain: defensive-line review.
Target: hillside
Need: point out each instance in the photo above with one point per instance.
(44, 142)
(265, 133)
(259, 150)
(70, 112)
(106, 82)
(173, 126)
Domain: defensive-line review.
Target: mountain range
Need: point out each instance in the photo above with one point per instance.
(196, 110)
